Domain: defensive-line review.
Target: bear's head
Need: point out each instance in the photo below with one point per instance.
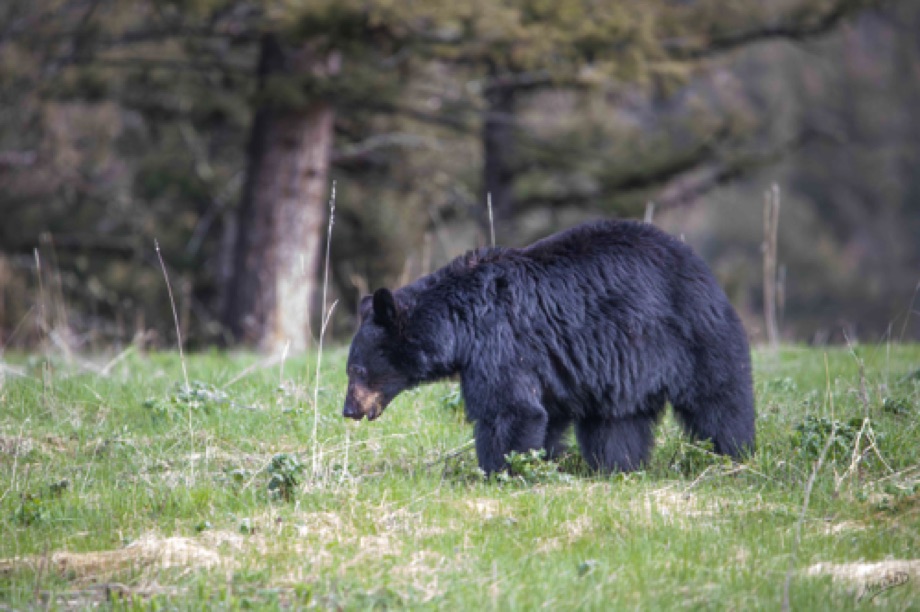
(375, 369)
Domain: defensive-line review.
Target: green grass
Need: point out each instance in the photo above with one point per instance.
(124, 489)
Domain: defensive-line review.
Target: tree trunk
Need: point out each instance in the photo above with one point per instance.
(279, 232)
(498, 160)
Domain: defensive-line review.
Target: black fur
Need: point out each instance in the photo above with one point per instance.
(598, 326)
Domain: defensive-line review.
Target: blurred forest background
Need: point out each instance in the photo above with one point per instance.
(216, 128)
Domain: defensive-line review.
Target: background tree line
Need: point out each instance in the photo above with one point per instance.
(216, 126)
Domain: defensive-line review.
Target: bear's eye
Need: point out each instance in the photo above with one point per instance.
(357, 371)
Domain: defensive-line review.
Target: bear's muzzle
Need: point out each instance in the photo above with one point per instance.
(361, 402)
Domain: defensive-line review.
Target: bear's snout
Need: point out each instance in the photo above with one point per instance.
(361, 402)
(351, 412)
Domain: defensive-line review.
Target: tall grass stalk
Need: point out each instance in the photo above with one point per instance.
(809, 485)
(40, 323)
(16, 452)
(866, 428)
(172, 304)
(56, 290)
(771, 231)
(188, 386)
(491, 219)
(284, 353)
(322, 332)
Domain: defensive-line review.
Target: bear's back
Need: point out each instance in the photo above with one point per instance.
(626, 269)
(608, 237)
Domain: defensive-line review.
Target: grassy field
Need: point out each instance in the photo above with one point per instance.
(120, 486)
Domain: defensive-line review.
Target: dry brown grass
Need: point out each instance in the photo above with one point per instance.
(150, 551)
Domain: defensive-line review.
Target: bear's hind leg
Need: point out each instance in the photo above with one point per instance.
(621, 444)
(727, 420)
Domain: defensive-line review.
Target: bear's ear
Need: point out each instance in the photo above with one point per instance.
(364, 308)
(385, 312)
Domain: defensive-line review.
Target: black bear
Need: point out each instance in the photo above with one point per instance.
(599, 326)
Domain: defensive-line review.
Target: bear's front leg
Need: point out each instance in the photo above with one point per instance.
(517, 428)
(507, 413)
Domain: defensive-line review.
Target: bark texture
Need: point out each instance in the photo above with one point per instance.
(279, 230)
